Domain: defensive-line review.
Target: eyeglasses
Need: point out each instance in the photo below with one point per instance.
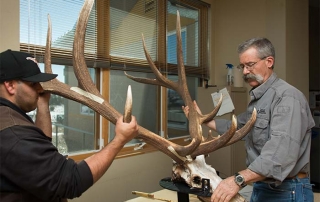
(250, 65)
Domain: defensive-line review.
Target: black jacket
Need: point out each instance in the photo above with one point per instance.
(31, 168)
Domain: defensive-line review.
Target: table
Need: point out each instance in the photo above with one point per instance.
(172, 195)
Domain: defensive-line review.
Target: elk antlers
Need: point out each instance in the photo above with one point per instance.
(89, 95)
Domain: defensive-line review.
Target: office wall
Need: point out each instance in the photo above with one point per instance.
(284, 22)
(232, 22)
(9, 25)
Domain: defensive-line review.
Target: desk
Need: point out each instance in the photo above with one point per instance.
(172, 195)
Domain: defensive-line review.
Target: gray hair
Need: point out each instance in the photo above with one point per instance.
(263, 46)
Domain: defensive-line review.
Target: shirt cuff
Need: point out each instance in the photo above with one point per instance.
(86, 175)
(267, 168)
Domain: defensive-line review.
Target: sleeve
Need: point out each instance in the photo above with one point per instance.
(222, 125)
(287, 129)
(42, 170)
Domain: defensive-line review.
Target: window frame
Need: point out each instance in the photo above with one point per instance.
(103, 70)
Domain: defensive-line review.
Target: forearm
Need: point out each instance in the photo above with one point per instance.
(251, 176)
(43, 119)
(101, 161)
(211, 124)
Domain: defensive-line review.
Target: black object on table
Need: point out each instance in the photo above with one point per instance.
(183, 190)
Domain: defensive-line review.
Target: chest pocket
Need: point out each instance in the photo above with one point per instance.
(260, 134)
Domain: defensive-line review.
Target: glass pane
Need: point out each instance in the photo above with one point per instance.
(128, 20)
(189, 20)
(73, 125)
(172, 47)
(144, 98)
(63, 14)
(177, 121)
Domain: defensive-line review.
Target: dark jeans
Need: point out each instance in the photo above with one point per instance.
(297, 190)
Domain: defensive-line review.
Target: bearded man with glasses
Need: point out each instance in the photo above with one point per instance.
(278, 146)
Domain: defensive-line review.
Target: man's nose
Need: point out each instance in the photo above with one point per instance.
(245, 71)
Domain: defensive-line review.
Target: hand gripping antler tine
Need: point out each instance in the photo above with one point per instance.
(245, 129)
(216, 143)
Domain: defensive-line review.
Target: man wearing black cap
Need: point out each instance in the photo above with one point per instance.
(31, 168)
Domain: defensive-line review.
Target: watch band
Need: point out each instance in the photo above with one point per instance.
(239, 180)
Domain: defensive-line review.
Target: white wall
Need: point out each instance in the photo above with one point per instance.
(136, 173)
(284, 22)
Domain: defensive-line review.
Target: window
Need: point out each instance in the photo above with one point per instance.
(145, 100)
(73, 129)
(177, 123)
(172, 46)
(113, 45)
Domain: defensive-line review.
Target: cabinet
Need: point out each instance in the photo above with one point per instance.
(230, 159)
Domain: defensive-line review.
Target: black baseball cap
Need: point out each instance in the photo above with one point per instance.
(23, 66)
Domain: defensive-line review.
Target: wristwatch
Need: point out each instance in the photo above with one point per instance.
(239, 180)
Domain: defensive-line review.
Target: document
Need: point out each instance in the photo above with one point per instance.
(227, 104)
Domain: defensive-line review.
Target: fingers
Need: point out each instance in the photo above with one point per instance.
(185, 109)
(197, 107)
(120, 119)
(126, 131)
(225, 190)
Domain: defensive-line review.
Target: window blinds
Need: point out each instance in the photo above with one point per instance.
(114, 33)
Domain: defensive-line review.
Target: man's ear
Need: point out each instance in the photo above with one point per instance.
(10, 86)
(270, 62)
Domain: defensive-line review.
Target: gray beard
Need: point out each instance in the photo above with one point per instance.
(258, 78)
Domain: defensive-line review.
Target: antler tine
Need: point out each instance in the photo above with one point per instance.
(181, 69)
(128, 107)
(79, 63)
(213, 113)
(245, 129)
(160, 79)
(211, 145)
(216, 143)
(183, 87)
(209, 137)
(47, 55)
(47, 59)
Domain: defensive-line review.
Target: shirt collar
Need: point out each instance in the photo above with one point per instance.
(5, 102)
(257, 92)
